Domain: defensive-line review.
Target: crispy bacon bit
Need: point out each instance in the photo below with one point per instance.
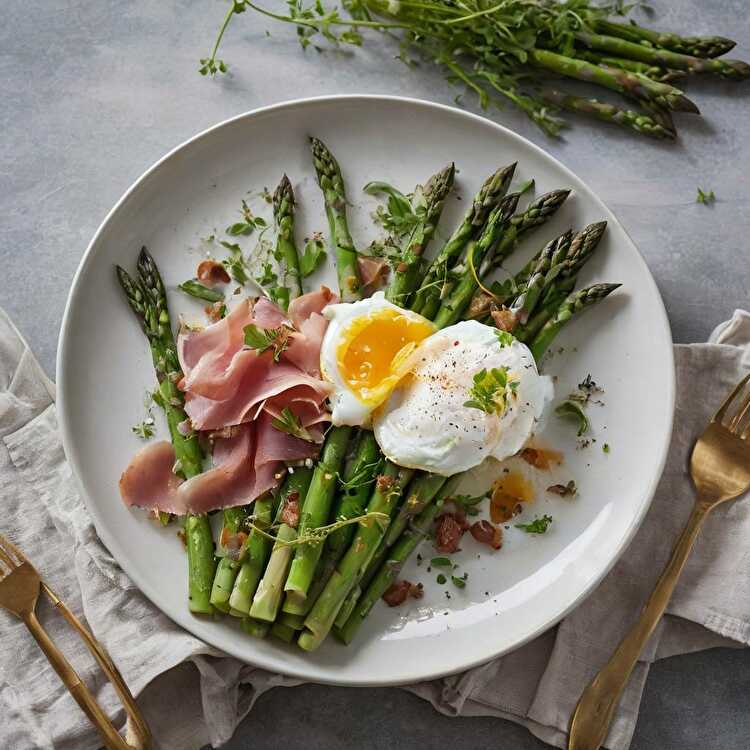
(212, 272)
(290, 512)
(479, 306)
(384, 483)
(450, 529)
(400, 591)
(505, 319)
(541, 458)
(486, 533)
(564, 490)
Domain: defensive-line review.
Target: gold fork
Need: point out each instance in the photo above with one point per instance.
(720, 468)
(20, 585)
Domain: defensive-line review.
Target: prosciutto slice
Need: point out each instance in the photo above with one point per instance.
(245, 466)
(227, 384)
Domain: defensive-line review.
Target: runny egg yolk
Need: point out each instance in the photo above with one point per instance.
(374, 352)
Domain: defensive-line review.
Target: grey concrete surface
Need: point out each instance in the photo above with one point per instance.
(93, 91)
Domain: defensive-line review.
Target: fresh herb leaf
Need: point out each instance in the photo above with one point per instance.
(235, 263)
(194, 288)
(240, 228)
(441, 579)
(459, 582)
(572, 410)
(441, 562)
(504, 337)
(263, 339)
(537, 526)
(290, 423)
(467, 503)
(605, 447)
(312, 256)
(489, 390)
(145, 429)
(707, 198)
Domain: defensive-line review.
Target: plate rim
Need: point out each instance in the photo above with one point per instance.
(194, 626)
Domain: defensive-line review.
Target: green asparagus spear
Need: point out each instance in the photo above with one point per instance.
(286, 250)
(494, 189)
(228, 567)
(697, 46)
(408, 272)
(622, 81)
(317, 508)
(268, 595)
(499, 221)
(257, 549)
(641, 122)
(574, 304)
(654, 72)
(332, 184)
(422, 491)
(359, 478)
(148, 299)
(321, 617)
(397, 556)
(255, 628)
(547, 268)
(539, 211)
(732, 69)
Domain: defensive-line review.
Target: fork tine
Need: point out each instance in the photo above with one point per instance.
(9, 548)
(738, 419)
(721, 413)
(7, 559)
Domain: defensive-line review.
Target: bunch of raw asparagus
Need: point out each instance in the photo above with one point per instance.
(302, 590)
(515, 49)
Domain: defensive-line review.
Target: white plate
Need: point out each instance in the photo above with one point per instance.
(104, 370)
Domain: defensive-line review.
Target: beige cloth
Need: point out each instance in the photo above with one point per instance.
(194, 695)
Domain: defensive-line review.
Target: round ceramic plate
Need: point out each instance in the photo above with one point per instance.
(511, 595)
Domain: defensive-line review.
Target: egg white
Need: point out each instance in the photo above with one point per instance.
(425, 423)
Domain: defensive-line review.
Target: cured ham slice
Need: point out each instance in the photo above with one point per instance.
(245, 466)
(226, 383)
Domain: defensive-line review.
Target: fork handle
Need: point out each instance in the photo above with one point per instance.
(595, 709)
(76, 687)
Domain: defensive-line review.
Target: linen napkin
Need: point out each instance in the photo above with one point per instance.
(193, 695)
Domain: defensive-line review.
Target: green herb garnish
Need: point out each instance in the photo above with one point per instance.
(467, 503)
(572, 410)
(312, 256)
(504, 337)
(401, 212)
(441, 579)
(460, 582)
(537, 526)
(441, 562)
(707, 198)
(605, 447)
(235, 263)
(145, 429)
(489, 390)
(289, 422)
(194, 288)
(262, 339)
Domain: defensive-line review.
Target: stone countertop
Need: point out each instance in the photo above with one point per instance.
(94, 91)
